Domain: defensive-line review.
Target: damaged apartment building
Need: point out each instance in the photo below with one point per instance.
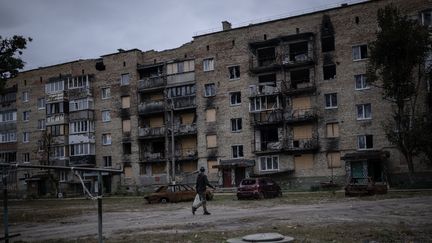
(286, 98)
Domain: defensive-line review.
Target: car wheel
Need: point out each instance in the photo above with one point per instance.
(164, 200)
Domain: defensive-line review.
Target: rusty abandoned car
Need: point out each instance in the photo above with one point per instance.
(174, 193)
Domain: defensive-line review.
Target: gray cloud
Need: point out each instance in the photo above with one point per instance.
(69, 30)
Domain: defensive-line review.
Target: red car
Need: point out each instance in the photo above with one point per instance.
(174, 193)
(259, 188)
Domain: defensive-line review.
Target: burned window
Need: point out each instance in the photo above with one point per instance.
(365, 142)
(299, 76)
(266, 56)
(298, 51)
(327, 43)
(329, 72)
(267, 78)
(127, 148)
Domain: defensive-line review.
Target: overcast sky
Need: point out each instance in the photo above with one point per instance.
(68, 30)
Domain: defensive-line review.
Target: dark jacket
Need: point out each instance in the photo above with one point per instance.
(202, 183)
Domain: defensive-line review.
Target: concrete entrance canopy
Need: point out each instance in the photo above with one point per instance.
(366, 155)
(229, 163)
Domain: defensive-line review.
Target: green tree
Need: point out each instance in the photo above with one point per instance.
(10, 60)
(397, 65)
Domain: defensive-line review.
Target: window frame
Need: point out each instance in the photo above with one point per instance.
(360, 52)
(272, 158)
(105, 95)
(231, 94)
(25, 96)
(237, 151)
(363, 81)
(26, 137)
(365, 137)
(107, 161)
(363, 111)
(206, 94)
(233, 71)
(332, 106)
(236, 124)
(123, 81)
(39, 103)
(106, 139)
(26, 116)
(106, 118)
(208, 64)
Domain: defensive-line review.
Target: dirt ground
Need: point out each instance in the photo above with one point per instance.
(309, 217)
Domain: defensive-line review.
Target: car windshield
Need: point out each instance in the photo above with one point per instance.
(248, 182)
(161, 189)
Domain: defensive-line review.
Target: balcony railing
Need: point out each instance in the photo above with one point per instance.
(298, 87)
(300, 115)
(267, 117)
(184, 129)
(186, 154)
(269, 146)
(77, 93)
(151, 132)
(302, 145)
(83, 160)
(152, 106)
(281, 59)
(56, 97)
(151, 83)
(150, 156)
(297, 58)
(180, 78)
(56, 119)
(184, 102)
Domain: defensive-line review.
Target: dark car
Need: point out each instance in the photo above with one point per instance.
(174, 193)
(259, 188)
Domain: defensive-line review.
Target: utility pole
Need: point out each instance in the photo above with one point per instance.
(172, 143)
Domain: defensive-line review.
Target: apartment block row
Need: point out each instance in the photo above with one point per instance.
(286, 98)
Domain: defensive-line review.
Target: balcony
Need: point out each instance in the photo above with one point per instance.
(151, 132)
(181, 78)
(263, 89)
(298, 87)
(81, 115)
(301, 115)
(83, 160)
(297, 59)
(152, 83)
(78, 93)
(269, 147)
(184, 102)
(152, 157)
(185, 129)
(57, 119)
(8, 126)
(56, 97)
(186, 154)
(151, 106)
(302, 145)
(267, 117)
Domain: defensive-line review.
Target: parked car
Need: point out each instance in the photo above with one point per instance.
(259, 188)
(174, 193)
(364, 186)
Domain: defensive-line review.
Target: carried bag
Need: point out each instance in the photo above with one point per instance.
(196, 201)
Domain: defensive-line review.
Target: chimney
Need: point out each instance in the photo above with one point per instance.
(226, 25)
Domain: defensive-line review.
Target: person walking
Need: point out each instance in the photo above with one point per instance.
(201, 186)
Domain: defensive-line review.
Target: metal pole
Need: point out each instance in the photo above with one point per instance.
(5, 210)
(172, 144)
(100, 207)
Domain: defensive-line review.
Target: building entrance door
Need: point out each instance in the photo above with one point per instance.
(227, 180)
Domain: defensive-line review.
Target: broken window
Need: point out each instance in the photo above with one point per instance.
(365, 142)
(298, 52)
(211, 115)
(235, 98)
(126, 125)
(127, 148)
(237, 151)
(299, 76)
(269, 163)
(211, 141)
(269, 138)
(330, 100)
(364, 111)
(329, 72)
(236, 125)
(266, 56)
(125, 101)
(234, 72)
(267, 78)
(209, 90)
(327, 43)
(262, 103)
(359, 52)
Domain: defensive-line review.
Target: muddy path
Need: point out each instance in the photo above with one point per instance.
(229, 216)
